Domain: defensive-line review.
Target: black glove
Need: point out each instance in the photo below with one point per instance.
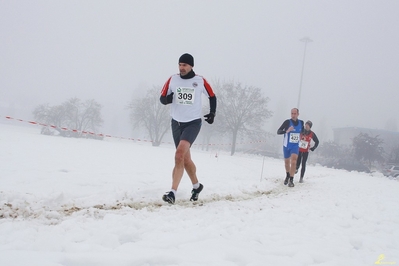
(166, 99)
(169, 98)
(312, 149)
(210, 117)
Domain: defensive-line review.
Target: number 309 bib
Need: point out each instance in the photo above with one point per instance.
(185, 96)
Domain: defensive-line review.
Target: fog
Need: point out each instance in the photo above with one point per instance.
(113, 51)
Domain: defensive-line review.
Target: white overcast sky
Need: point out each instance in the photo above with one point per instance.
(112, 51)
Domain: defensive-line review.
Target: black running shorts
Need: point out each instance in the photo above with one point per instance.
(185, 131)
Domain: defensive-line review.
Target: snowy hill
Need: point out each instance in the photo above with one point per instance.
(89, 202)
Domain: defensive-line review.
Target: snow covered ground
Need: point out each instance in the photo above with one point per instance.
(89, 202)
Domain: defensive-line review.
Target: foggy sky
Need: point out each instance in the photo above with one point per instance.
(112, 51)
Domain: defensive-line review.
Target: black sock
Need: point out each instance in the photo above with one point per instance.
(288, 174)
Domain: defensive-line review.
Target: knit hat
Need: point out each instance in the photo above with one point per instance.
(187, 58)
(309, 123)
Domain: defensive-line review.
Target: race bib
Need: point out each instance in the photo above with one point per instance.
(303, 144)
(185, 96)
(294, 137)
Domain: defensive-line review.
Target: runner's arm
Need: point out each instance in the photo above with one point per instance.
(282, 130)
(212, 104)
(165, 98)
(316, 141)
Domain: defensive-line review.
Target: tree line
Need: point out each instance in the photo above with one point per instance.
(80, 118)
(364, 148)
(241, 115)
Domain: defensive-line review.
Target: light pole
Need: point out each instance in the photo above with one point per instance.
(306, 40)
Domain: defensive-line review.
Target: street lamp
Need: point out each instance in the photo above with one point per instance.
(306, 40)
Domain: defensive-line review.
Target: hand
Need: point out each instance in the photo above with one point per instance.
(312, 149)
(210, 117)
(291, 128)
(169, 98)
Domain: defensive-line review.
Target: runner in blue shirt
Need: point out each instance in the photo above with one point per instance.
(291, 128)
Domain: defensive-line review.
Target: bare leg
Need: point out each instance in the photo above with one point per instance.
(190, 168)
(292, 168)
(181, 153)
(287, 164)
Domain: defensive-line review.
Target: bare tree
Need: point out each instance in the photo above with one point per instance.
(83, 117)
(242, 110)
(50, 115)
(73, 115)
(368, 148)
(147, 112)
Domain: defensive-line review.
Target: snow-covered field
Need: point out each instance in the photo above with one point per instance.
(89, 202)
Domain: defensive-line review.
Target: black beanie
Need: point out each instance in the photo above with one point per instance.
(187, 58)
(309, 123)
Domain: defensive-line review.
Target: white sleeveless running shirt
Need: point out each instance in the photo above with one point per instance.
(187, 97)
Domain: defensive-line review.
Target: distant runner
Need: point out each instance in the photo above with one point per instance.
(304, 146)
(291, 128)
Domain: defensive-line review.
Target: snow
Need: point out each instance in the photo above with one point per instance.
(66, 201)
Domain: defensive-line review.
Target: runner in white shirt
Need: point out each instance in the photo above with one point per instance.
(184, 91)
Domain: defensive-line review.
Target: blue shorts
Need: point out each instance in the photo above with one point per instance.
(290, 150)
(185, 131)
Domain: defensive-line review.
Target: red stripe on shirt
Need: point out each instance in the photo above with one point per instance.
(165, 87)
(208, 88)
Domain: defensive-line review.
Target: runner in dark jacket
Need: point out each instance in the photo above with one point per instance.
(304, 146)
